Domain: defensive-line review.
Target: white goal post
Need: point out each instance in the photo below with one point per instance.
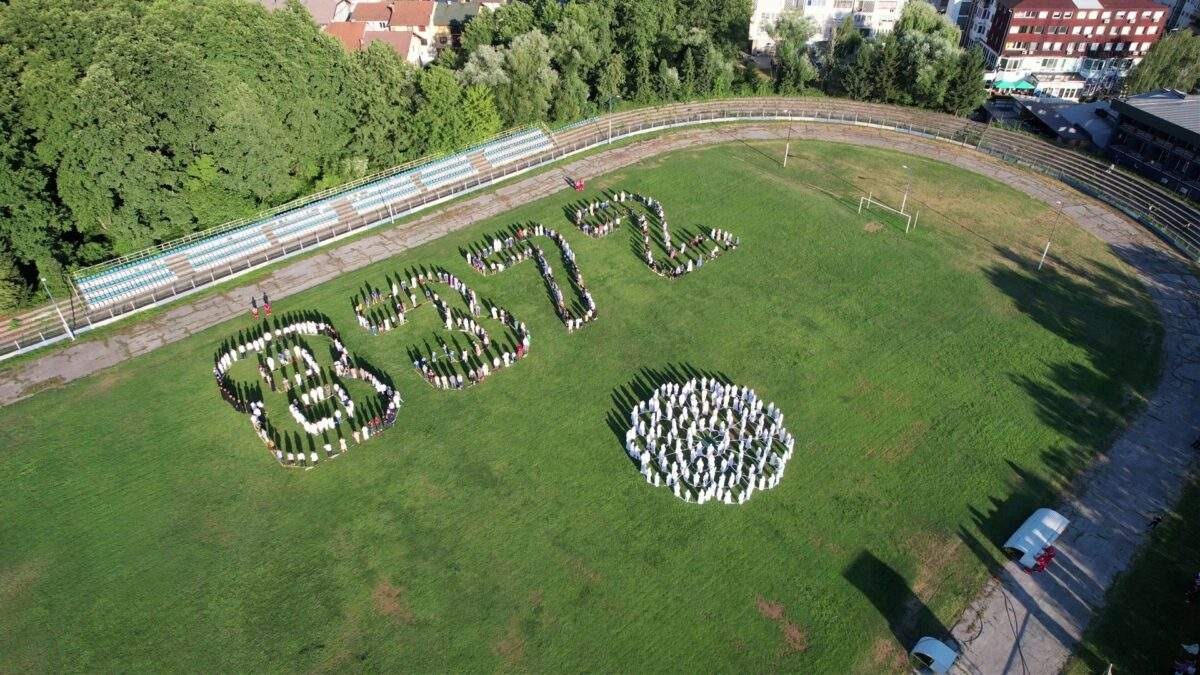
(910, 220)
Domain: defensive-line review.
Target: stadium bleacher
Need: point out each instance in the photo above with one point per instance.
(377, 194)
(516, 147)
(446, 171)
(210, 253)
(127, 281)
(303, 223)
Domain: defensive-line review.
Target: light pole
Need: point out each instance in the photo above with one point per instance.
(61, 318)
(787, 149)
(611, 100)
(1053, 227)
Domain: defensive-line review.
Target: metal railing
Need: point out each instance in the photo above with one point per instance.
(1163, 212)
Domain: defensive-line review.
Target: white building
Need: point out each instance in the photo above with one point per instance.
(872, 17)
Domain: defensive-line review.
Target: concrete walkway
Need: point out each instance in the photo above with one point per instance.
(1020, 623)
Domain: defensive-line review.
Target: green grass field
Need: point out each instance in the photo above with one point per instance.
(938, 387)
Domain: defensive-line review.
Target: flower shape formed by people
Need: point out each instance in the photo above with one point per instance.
(709, 440)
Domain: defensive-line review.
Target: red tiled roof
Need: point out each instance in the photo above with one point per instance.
(322, 11)
(371, 11)
(349, 33)
(412, 13)
(399, 40)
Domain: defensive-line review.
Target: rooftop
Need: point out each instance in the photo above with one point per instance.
(412, 13)
(445, 13)
(371, 11)
(349, 33)
(399, 40)
(1170, 105)
(1171, 112)
(322, 11)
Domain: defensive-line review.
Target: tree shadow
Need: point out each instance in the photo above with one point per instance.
(908, 617)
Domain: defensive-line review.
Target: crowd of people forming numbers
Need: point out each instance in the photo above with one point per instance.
(448, 366)
(317, 398)
(692, 252)
(321, 406)
(504, 253)
(709, 441)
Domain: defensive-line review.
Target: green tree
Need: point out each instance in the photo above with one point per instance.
(612, 79)
(481, 120)
(795, 72)
(855, 74)
(571, 98)
(885, 70)
(512, 19)
(1172, 63)
(922, 18)
(385, 86)
(668, 81)
(440, 118)
(966, 90)
(13, 291)
(480, 30)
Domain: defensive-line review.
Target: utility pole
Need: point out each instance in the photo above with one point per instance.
(61, 318)
(611, 100)
(907, 186)
(787, 149)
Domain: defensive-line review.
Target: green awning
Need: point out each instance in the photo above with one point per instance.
(1017, 84)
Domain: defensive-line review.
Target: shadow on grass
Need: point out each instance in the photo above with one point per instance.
(626, 396)
(1103, 311)
(908, 617)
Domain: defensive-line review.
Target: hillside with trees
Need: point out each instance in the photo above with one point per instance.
(126, 123)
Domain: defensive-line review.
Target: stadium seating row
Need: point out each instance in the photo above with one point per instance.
(447, 171)
(516, 147)
(124, 282)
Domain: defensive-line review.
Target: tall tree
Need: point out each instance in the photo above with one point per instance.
(795, 72)
(855, 74)
(526, 97)
(1172, 63)
(923, 18)
(481, 120)
(966, 90)
(439, 120)
(885, 70)
(385, 86)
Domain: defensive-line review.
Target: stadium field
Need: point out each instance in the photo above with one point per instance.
(939, 388)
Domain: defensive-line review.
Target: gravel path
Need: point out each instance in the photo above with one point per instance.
(1020, 623)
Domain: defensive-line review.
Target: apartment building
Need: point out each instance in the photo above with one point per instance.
(1063, 48)
(872, 17)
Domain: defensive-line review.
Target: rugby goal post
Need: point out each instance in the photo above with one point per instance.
(910, 219)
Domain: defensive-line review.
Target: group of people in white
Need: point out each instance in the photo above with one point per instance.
(690, 254)
(709, 441)
(608, 221)
(285, 361)
(455, 369)
(505, 253)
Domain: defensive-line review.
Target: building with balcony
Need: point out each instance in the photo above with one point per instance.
(872, 17)
(1158, 136)
(1063, 48)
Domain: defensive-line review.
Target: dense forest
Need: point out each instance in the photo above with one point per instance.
(124, 123)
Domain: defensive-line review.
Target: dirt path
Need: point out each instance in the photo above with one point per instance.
(1020, 623)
